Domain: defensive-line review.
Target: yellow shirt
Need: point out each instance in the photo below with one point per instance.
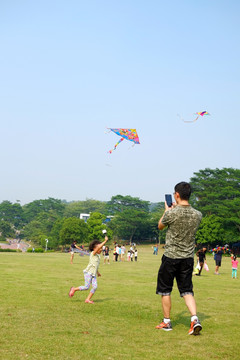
(93, 264)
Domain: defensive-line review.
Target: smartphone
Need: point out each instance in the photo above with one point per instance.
(168, 198)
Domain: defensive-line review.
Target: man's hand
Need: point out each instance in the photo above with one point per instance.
(169, 207)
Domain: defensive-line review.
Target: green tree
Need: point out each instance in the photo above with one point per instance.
(210, 231)
(156, 207)
(34, 208)
(95, 226)
(217, 192)
(12, 213)
(55, 233)
(6, 230)
(121, 203)
(156, 235)
(40, 227)
(73, 229)
(131, 224)
(34, 231)
(88, 206)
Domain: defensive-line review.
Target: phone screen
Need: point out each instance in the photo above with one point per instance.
(168, 198)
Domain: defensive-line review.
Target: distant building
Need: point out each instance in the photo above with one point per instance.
(84, 217)
(108, 219)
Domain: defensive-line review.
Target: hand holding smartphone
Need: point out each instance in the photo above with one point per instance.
(168, 199)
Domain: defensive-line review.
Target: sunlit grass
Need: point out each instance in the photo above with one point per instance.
(40, 321)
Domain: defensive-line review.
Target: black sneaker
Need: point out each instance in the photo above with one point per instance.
(195, 328)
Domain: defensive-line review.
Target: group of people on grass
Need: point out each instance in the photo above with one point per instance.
(182, 222)
(201, 259)
(119, 252)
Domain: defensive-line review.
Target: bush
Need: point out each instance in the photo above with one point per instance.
(8, 250)
(38, 250)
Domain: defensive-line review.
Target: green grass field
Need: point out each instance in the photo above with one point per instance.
(39, 321)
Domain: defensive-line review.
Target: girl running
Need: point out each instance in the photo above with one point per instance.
(91, 272)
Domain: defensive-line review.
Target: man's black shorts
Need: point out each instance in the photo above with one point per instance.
(181, 269)
(218, 262)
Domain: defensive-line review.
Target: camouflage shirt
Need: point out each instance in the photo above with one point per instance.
(182, 222)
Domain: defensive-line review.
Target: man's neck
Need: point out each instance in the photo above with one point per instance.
(183, 202)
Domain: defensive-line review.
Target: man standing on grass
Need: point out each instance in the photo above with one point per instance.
(201, 257)
(177, 262)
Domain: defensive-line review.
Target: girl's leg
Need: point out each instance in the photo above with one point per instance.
(234, 273)
(72, 256)
(88, 279)
(94, 288)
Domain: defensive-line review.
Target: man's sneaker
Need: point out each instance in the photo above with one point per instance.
(195, 328)
(164, 326)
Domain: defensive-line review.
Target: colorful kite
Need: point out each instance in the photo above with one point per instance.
(202, 113)
(129, 134)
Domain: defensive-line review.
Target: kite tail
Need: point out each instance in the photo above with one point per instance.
(110, 151)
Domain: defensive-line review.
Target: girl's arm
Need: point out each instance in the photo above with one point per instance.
(99, 246)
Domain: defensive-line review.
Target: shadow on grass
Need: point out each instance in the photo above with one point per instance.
(183, 318)
(94, 300)
(102, 300)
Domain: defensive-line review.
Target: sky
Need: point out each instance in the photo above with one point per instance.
(71, 69)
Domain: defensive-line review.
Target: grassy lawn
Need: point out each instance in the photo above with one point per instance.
(39, 321)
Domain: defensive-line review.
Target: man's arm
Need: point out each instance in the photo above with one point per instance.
(161, 226)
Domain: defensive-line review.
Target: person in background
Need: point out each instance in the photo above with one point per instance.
(136, 254)
(103, 250)
(234, 267)
(117, 253)
(73, 247)
(114, 253)
(218, 259)
(128, 255)
(131, 255)
(120, 252)
(106, 255)
(201, 257)
(123, 253)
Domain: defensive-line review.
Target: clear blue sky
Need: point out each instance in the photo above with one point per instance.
(69, 69)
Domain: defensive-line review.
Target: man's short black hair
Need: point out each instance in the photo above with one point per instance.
(184, 190)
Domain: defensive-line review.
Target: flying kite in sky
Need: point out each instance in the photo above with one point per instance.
(128, 134)
(202, 113)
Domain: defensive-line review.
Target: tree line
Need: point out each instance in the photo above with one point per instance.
(216, 193)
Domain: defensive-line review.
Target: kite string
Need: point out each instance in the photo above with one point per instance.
(131, 146)
(192, 121)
